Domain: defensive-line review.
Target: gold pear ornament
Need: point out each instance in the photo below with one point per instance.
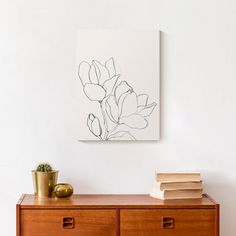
(63, 190)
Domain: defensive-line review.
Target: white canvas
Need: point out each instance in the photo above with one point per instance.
(118, 85)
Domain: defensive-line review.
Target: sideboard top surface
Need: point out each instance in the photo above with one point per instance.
(113, 201)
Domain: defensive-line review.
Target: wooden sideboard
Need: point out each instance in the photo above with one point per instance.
(113, 215)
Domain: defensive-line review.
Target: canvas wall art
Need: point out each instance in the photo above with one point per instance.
(118, 85)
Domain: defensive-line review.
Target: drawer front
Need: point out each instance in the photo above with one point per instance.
(68, 222)
(165, 222)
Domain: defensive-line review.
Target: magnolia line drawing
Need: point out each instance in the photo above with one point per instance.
(119, 104)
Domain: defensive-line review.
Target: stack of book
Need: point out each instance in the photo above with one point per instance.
(177, 186)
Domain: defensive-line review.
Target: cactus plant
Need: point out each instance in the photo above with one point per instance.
(44, 180)
(44, 167)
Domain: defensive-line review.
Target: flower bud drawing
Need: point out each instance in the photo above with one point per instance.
(98, 79)
(94, 126)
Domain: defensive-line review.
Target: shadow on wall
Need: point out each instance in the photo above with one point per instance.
(224, 192)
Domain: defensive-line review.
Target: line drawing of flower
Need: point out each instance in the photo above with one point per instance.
(128, 108)
(119, 103)
(94, 125)
(98, 80)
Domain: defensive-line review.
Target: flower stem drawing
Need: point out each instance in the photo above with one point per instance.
(105, 121)
(118, 102)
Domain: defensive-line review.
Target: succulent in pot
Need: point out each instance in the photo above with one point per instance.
(44, 180)
(44, 167)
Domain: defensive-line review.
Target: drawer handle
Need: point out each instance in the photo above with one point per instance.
(68, 223)
(167, 222)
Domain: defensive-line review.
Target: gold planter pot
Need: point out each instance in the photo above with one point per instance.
(44, 183)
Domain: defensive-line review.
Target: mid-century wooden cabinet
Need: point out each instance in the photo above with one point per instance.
(114, 215)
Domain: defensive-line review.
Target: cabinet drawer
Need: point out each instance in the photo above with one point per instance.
(50, 222)
(168, 222)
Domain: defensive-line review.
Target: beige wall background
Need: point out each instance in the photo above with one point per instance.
(39, 110)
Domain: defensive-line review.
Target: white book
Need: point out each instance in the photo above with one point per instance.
(178, 176)
(175, 185)
(176, 194)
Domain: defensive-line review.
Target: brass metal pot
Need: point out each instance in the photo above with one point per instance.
(63, 190)
(44, 183)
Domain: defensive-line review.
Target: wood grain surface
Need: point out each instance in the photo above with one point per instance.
(86, 222)
(114, 215)
(129, 201)
(191, 222)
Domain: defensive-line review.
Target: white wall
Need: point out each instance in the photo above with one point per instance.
(39, 112)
